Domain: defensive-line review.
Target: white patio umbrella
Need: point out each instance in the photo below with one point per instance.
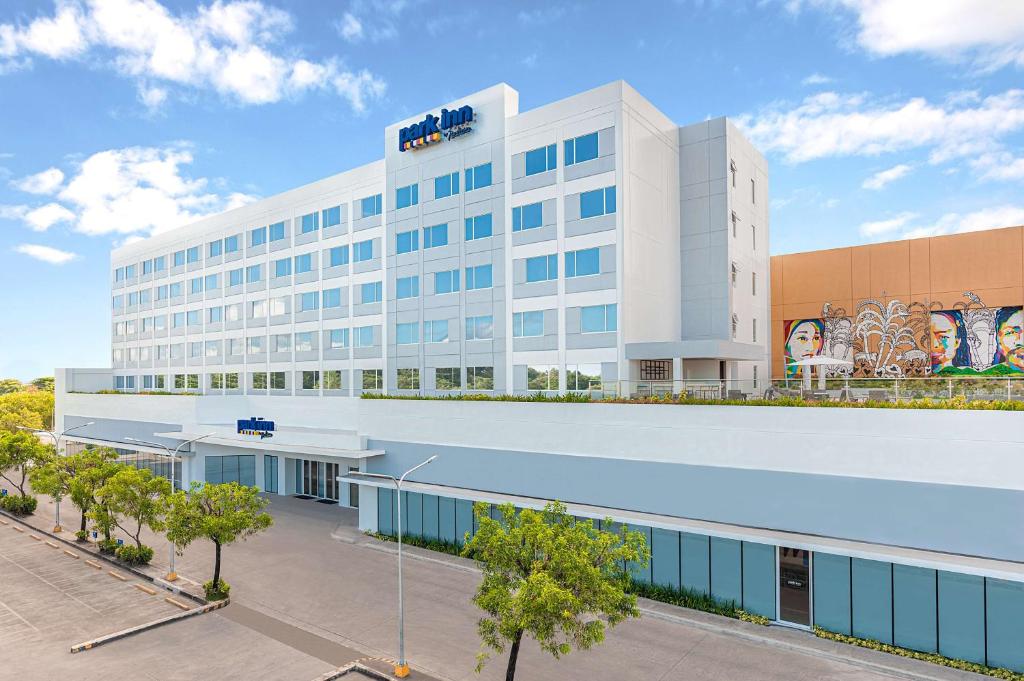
(818, 361)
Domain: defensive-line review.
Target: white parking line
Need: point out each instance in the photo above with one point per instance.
(50, 584)
(11, 610)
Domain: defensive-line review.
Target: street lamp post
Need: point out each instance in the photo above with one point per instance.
(56, 446)
(171, 574)
(402, 668)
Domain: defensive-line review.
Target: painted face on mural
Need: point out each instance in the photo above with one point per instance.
(804, 341)
(944, 340)
(1010, 337)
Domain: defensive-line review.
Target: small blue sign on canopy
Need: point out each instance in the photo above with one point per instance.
(256, 426)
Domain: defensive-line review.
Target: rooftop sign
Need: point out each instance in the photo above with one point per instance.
(256, 426)
(432, 129)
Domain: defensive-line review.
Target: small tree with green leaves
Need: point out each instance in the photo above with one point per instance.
(552, 577)
(132, 499)
(19, 453)
(93, 467)
(221, 513)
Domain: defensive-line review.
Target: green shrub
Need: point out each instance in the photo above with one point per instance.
(82, 535)
(107, 546)
(694, 600)
(18, 505)
(135, 555)
(218, 592)
(438, 545)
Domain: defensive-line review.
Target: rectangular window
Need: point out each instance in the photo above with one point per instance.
(480, 327)
(279, 305)
(331, 297)
(446, 185)
(542, 377)
(407, 333)
(117, 302)
(195, 285)
(231, 381)
(233, 312)
(447, 378)
(435, 331)
(236, 346)
(435, 236)
(179, 381)
(307, 301)
(528, 324)
(212, 348)
(478, 177)
(753, 191)
(276, 231)
(257, 309)
(337, 339)
(597, 202)
(407, 242)
(215, 314)
(370, 292)
(753, 238)
(160, 382)
(192, 255)
(253, 273)
(212, 282)
(362, 251)
(407, 287)
(304, 341)
(479, 227)
(277, 381)
(192, 318)
(179, 258)
(753, 283)
(363, 336)
(332, 216)
(529, 216)
(373, 379)
(446, 282)
(332, 377)
(580, 149)
(283, 267)
(145, 295)
(235, 277)
(195, 349)
(161, 292)
(583, 263)
(337, 256)
(258, 236)
(753, 331)
(159, 264)
(303, 263)
(133, 297)
(215, 248)
(129, 271)
(147, 266)
(160, 323)
(598, 318)
(175, 289)
(406, 196)
(541, 160)
(119, 274)
(177, 320)
(478, 277)
(583, 377)
(231, 244)
(408, 379)
(480, 378)
(254, 345)
(542, 268)
(309, 223)
(371, 205)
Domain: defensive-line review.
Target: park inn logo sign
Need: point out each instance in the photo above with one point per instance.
(451, 124)
(256, 426)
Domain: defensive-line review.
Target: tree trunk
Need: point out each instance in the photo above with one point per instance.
(513, 655)
(216, 566)
(83, 520)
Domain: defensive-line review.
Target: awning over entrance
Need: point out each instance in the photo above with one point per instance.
(298, 441)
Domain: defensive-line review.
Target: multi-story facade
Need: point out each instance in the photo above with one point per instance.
(582, 243)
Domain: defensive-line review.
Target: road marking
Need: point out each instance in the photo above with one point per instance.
(50, 584)
(11, 610)
(142, 587)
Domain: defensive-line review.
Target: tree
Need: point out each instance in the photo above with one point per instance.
(19, 452)
(92, 469)
(9, 385)
(43, 383)
(132, 498)
(52, 474)
(26, 409)
(221, 513)
(551, 576)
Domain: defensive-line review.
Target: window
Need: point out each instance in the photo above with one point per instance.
(117, 302)
(446, 282)
(179, 258)
(231, 381)
(147, 266)
(236, 346)
(753, 330)
(735, 324)
(407, 242)
(541, 160)
(133, 298)
(276, 231)
(580, 149)
(177, 351)
(192, 318)
(306, 301)
(192, 255)
(147, 382)
(332, 377)
(253, 273)
(254, 345)
(305, 341)
(446, 185)
(753, 283)
(542, 268)
(447, 378)
(119, 274)
(753, 191)
(753, 238)
(282, 267)
(435, 331)
(597, 202)
(542, 377)
(279, 305)
(212, 282)
(332, 217)
(175, 289)
(478, 277)
(195, 349)
(370, 292)
(337, 256)
(309, 223)
(528, 324)
(478, 177)
(755, 377)
(598, 318)
(129, 271)
(362, 250)
(408, 379)
(160, 382)
(215, 314)
(435, 236)
(733, 271)
(160, 323)
(363, 336)
(277, 381)
(583, 263)
(145, 295)
(526, 217)
(479, 227)
(480, 327)
(257, 309)
(215, 248)
(407, 287)
(159, 263)
(337, 339)
(734, 219)
(331, 297)
(480, 378)
(303, 263)
(179, 381)
(233, 312)
(583, 377)
(370, 206)
(407, 196)
(281, 342)
(161, 292)
(231, 244)
(407, 333)
(732, 171)
(235, 277)
(258, 236)
(177, 320)
(213, 348)
(373, 379)
(194, 285)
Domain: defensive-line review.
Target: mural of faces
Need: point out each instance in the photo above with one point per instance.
(1010, 338)
(949, 340)
(804, 338)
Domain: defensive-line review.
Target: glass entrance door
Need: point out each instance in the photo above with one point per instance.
(331, 480)
(795, 586)
(353, 489)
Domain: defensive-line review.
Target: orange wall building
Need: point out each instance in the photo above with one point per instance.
(934, 272)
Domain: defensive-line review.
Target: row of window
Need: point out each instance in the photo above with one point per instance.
(577, 150)
(445, 185)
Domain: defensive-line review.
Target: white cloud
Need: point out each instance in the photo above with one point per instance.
(234, 47)
(9, 212)
(351, 28)
(42, 218)
(816, 79)
(883, 227)
(45, 182)
(54, 256)
(884, 177)
(543, 15)
(529, 61)
(999, 166)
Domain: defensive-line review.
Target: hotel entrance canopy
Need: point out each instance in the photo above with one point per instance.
(344, 444)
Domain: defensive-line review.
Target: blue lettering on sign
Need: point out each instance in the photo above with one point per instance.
(432, 129)
(256, 426)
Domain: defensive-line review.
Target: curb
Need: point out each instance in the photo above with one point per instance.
(124, 633)
(359, 667)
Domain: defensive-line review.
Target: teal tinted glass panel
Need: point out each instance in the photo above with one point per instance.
(430, 516)
(247, 470)
(413, 514)
(639, 572)
(872, 599)
(1005, 632)
(385, 518)
(332, 217)
(609, 200)
(725, 570)
(759, 579)
(537, 161)
(832, 592)
(270, 473)
(213, 466)
(962, 616)
(277, 231)
(586, 147)
(463, 519)
(696, 556)
(665, 557)
(230, 464)
(913, 608)
(533, 215)
(592, 203)
(446, 518)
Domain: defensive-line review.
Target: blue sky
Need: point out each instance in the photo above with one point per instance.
(124, 117)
